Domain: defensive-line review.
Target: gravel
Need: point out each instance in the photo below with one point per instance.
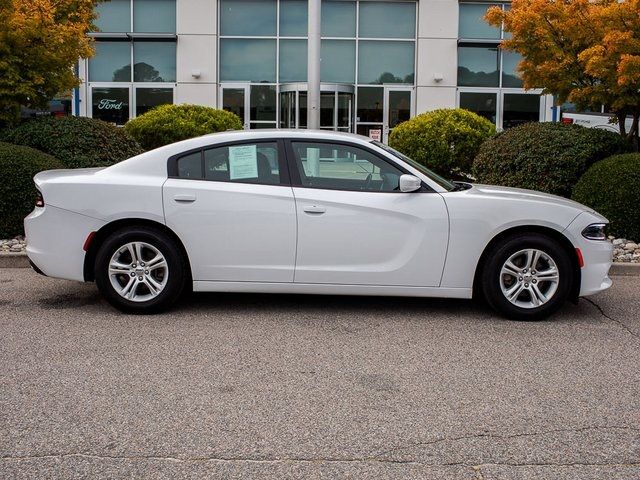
(13, 245)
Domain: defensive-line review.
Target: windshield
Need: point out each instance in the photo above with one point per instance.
(446, 184)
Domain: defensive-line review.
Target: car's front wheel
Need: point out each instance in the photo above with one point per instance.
(527, 277)
(140, 270)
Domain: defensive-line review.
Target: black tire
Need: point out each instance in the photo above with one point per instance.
(176, 270)
(501, 252)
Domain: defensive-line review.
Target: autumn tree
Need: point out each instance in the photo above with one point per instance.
(40, 42)
(583, 51)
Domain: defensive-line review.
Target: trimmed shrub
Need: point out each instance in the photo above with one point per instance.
(78, 142)
(445, 140)
(549, 157)
(610, 187)
(171, 123)
(18, 165)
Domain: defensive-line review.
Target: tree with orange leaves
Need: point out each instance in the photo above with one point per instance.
(582, 51)
(40, 42)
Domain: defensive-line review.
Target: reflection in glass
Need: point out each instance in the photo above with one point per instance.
(338, 61)
(154, 16)
(520, 108)
(293, 18)
(387, 20)
(471, 23)
(114, 16)
(251, 60)
(327, 108)
(484, 104)
(510, 77)
(293, 60)
(370, 101)
(248, 17)
(288, 110)
(263, 103)
(148, 98)
(385, 62)
(478, 66)
(338, 19)
(111, 63)
(154, 61)
(233, 101)
(399, 107)
(110, 104)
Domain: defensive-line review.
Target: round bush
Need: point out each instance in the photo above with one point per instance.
(78, 142)
(446, 140)
(18, 165)
(171, 123)
(610, 187)
(549, 157)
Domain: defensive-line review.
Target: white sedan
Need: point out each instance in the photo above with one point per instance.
(295, 211)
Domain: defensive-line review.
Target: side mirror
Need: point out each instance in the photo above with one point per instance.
(409, 183)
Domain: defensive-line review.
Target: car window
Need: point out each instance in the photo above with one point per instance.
(344, 167)
(190, 166)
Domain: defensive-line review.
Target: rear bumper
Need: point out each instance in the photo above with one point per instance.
(55, 240)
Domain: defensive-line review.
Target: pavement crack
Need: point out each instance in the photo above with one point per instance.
(615, 320)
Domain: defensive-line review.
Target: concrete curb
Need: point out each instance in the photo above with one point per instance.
(20, 260)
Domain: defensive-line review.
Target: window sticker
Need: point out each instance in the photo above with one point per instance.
(243, 162)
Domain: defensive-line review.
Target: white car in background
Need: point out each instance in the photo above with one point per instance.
(295, 211)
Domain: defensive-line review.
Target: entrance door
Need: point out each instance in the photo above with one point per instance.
(235, 99)
(398, 108)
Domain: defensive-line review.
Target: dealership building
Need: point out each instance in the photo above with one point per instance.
(382, 62)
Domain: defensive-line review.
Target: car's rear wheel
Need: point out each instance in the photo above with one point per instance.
(140, 270)
(527, 277)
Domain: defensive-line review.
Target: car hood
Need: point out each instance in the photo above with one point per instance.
(508, 193)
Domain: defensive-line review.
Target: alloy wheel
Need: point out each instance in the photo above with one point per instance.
(529, 278)
(138, 271)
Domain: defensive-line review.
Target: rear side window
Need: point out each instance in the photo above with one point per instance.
(190, 166)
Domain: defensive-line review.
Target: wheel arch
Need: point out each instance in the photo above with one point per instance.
(542, 230)
(103, 233)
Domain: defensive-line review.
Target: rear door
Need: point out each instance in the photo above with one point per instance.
(232, 206)
(354, 225)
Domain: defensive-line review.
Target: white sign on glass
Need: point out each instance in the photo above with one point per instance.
(375, 134)
(243, 162)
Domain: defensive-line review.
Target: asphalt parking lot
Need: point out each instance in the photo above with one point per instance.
(258, 386)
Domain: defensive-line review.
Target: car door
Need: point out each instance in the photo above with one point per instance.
(233, 208)
(354, 225)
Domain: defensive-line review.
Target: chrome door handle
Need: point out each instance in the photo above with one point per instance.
(184, 198)
(314, 209)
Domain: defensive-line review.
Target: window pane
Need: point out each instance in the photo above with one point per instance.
(111, 63)
(338, 61)
(338, 19)
(247, 60)
(399, 107)
(155, 16)
(248, 17)
(293, 60)
(342, 167)
(257, 125)
(345, 111)
(520, 108)
(293, 18)
(478, 66)
(233, 101)
(387, 20)
(370, 102)
(472, 24)
(327, 109)
(385, 62)
(114, 16)
(484, 104)
(510, 61)
(247, 163)
(148, 98)
(110, 104)
(263, 102)
(154, 61)
(190, 166)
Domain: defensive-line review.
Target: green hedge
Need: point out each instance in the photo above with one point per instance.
(611, 188)
(18, 165)
(171, 123)
(446, 140)
(549, 157)
(77, 142)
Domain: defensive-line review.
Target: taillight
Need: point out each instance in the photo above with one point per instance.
(39, 199)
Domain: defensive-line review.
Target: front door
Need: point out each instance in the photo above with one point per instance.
(235, 99)
(355, 227)
(398, 108)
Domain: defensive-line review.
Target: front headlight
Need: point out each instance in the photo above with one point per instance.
(595, 231)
